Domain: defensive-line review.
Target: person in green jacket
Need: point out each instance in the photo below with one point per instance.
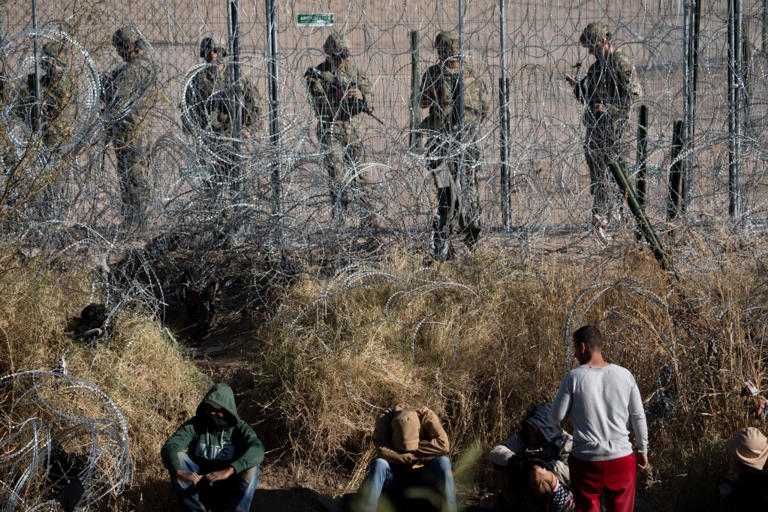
(214, 457)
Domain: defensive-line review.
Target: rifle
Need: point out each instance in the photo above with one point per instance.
(337, 87)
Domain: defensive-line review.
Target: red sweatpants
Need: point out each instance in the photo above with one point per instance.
(614, 479)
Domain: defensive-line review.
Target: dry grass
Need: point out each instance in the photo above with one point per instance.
(478, 340)
(141, 367)
(481, 338)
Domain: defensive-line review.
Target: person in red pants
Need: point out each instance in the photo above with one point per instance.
(601, 399)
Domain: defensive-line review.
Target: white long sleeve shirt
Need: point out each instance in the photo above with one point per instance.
(601, 402)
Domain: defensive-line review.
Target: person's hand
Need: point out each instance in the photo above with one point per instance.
(571, 81)
(354, 94)
(409, 458)
(187, 476)
(219, 475)
(598, 108)
(642, 460)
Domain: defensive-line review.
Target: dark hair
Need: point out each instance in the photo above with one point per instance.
(590, 335)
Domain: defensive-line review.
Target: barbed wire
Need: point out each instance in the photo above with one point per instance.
(221, 194)
(57, 430)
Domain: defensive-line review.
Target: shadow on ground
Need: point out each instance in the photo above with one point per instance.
(299, 499)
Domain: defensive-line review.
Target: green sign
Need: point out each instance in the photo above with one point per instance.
(314, 20)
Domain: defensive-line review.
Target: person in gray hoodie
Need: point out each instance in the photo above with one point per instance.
(531, 467)
(214, 457)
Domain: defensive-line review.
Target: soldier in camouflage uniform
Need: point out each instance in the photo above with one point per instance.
(608, 91)
(57, 89)
(129, 92)
(452, 149)
(339, 93)
(208, 100)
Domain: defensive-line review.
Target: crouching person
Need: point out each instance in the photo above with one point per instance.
(531, 467)
(746, 487)
(214, 457)
(411, 451)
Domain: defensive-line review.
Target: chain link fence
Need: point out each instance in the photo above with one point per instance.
(167, 207)
(548, 176)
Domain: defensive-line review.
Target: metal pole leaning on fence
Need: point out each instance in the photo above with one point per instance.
(675, 172)
(642, 155)
(274, 108)
(642, 221)
(414, 137)
(734, 107)
(506, 192)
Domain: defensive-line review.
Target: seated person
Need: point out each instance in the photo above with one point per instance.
(532, 467)
(746, 487)
(214, 457)
(412, 450)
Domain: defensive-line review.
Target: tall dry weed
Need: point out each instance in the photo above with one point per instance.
(481, 339)
(139, 366)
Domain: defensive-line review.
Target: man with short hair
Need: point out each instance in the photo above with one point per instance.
(601, 400)
(214, 458)
(339, 93)
(129, 93)
(411, 450)
(608, 91)
(452, 149)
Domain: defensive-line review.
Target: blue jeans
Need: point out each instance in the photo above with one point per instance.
(381, 476)
(236, 492)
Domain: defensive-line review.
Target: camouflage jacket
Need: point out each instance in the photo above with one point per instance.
(129, 93)
(55, 93)
(440, 93)
(328, 86)
(613, 82)
(209, 99)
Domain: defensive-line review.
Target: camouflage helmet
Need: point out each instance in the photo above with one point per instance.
(336, 45)
(127, 36)
(212, 44)
(593, 33)
(447, 44)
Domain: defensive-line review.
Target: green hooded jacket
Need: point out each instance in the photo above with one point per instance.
(214, 449)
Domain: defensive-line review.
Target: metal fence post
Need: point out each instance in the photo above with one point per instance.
(765, 27)
(233, 24)
(642, 155)
(37, 109)
(274, 108)
(675, 172)
(415, 106)
(690, 76)
(506, 214)
(459, 128)
(734, 107)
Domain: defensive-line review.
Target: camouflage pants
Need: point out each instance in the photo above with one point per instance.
(604, 145)
(132, 156)
(455, 168)
(349, 184)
